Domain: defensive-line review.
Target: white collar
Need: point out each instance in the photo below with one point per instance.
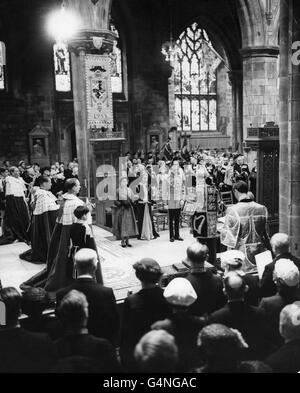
(69, 196)
(85, 276)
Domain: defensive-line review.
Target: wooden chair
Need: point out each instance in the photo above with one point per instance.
(160, 215)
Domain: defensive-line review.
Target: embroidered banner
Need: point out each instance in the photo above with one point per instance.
(98, 92)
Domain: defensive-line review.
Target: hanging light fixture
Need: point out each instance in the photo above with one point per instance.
(169, 48)
(62, 24)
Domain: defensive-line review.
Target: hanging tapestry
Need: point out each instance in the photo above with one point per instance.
(98, 92)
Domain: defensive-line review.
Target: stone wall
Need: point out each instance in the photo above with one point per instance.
(29, 99)
(260, 91)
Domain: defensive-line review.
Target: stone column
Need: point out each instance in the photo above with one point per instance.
(94, 18)
(260, 93)
(236, 80)
(289, 174)
(260, 88)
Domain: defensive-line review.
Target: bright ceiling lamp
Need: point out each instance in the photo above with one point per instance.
(62, 24)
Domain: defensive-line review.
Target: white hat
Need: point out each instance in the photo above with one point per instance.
(287, 271)
(289, 324)
(180, 292)
(232, 257)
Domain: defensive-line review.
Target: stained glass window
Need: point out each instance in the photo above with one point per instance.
(62, 67)
(195, 78)
(116, 64)
(2, 66)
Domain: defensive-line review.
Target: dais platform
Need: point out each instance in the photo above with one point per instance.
(116, 267)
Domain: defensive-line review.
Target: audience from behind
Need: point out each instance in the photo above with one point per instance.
(286, 277)
(21, 351)
(232, 261)
(73, 314)
(280, 247)
(34, 302)
(103, 314)
(208, 286)
(287, 358)
(240, 315)
(142, 309)
(180, 294)
(76, 365)
(222, 348)
(156, 352)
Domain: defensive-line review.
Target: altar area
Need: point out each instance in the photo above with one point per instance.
(116, 264)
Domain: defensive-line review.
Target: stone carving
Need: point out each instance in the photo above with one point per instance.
(94, 15)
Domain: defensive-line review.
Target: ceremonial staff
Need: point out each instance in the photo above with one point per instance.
(87, 181)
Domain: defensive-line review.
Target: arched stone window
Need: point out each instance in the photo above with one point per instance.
(3, 82)
(62, 67)
(195, 81)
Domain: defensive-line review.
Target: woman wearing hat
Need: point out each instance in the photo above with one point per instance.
(180, 295)
(125, 222)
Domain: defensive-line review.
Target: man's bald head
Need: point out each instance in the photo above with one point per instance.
(86, 261)
(197, 253)
(235, 286)
(280, 243)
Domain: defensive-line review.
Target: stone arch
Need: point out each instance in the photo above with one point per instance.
(251, 22)
(94, 14)
(253, 25)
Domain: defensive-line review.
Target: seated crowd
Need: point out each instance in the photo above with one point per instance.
(206, 322)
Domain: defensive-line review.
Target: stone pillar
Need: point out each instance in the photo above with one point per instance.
(80, 117)
(289, 173)
(236, 80)
(260, 92)
(94, 18)
(260, 88)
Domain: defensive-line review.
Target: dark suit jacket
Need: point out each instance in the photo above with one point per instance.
(272, 307)
(98, 349)
(103, 314)
(250, 321)
(286, 359)
(26, 352)
(267, 285)
(209, 289)
(47, 324)
(140, 311)
(252, 296)
(185, 328)
(57, 186)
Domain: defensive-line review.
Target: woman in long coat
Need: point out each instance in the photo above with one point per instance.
(125, 222)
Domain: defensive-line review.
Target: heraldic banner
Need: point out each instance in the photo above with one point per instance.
(98, 92)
